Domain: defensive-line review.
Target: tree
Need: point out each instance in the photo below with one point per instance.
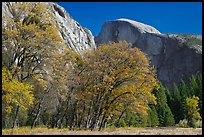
(192, 109)
(65, 72)
(193, 86)
(152, 119)
(27, 46)
(107, 81)
(175, 103)
(183, 94)
(169, 117)
(73, 91)
(161, 95)
(199, 92)
(195, 89)
(121, 76)
(165, 115)
(15, 95)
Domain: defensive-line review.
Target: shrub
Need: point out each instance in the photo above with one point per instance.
(183, 123)
(121, 123)
(197, 124)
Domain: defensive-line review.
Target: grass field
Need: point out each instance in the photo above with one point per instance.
(107, 131)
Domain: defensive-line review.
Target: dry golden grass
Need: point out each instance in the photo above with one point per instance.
(107, 131)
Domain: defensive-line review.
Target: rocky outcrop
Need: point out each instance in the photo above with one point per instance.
(173, 59)
(74, 35)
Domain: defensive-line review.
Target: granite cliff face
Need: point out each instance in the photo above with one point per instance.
(171, 56)
(74, 35)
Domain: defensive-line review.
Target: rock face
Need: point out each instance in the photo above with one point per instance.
(168, 53)
(74, 35)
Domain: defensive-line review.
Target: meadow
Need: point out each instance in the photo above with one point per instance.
(107, 131)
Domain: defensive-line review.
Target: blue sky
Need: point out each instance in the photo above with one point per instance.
(167, 17)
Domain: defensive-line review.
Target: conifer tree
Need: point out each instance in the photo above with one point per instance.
(152, 119)
(169, 118)
(165, 115)
(199, 82)
(193, 86)
(183, 93)
(175, 103)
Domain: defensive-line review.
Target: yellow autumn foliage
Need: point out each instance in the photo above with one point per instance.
(118, 76)
(192, 107)
(15, 92)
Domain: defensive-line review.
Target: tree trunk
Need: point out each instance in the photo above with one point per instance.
(36, 116)
(105, 123)
(102, 121)
(88, 119)
(39, 109)
(16, 117)
(121, 115)
(80, 123)
(55, 117)
(96, 112)
(59, 122)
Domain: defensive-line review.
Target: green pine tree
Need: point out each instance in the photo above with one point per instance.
(161, 95)
(183, 94)
(154, 117)
(148, 124)
(193, 86)
(161, 115)
(199, 83)
(175, 103)
(183, 89)
(165, 115)
(195, 89)
(169, 118)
